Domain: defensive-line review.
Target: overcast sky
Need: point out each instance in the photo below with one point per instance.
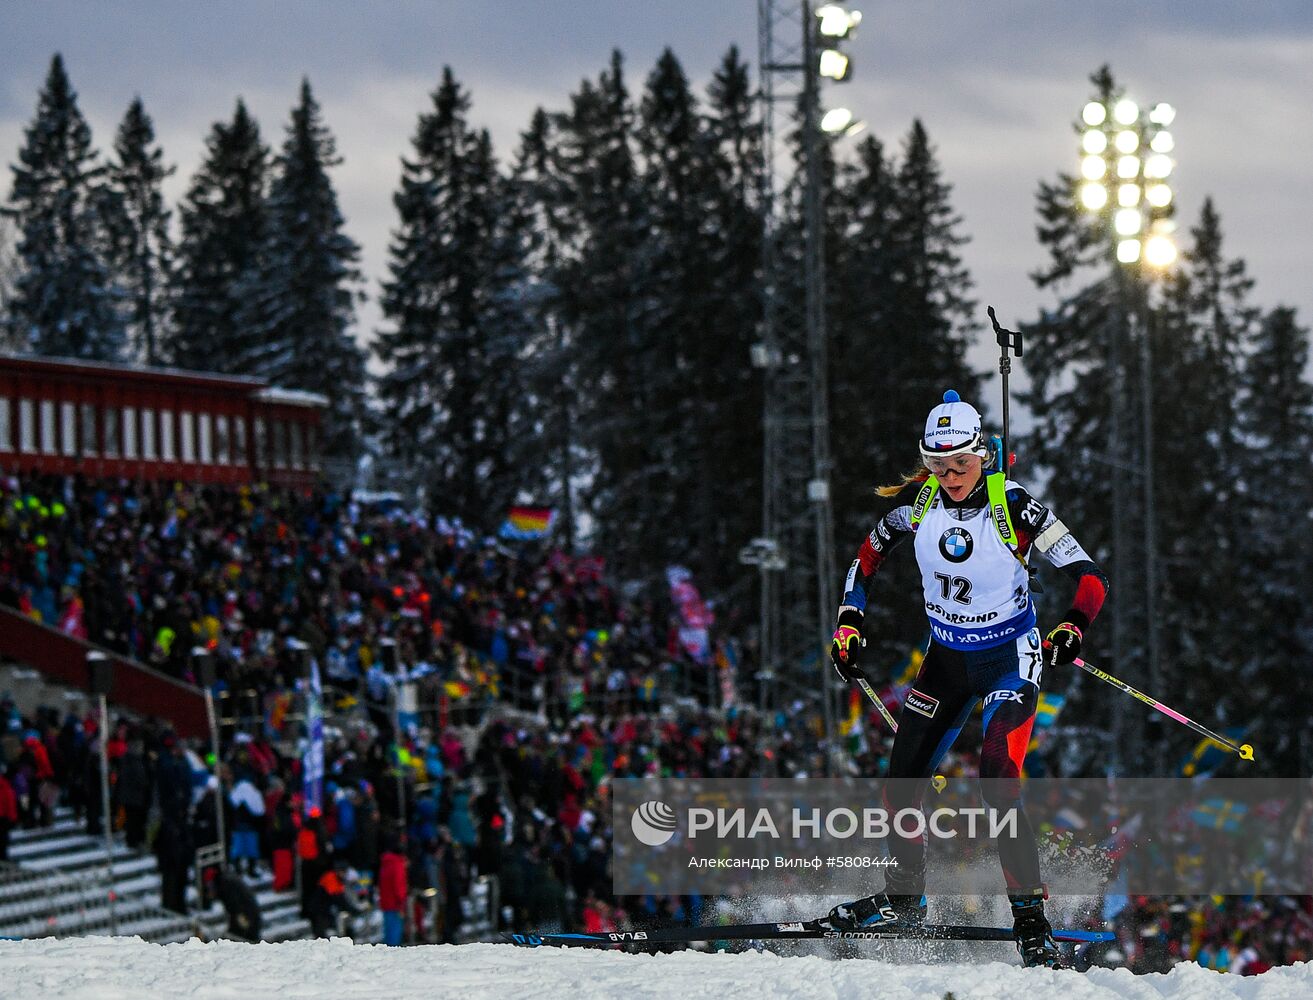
(996, 83)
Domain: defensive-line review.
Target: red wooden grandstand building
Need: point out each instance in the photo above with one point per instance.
(62, 416)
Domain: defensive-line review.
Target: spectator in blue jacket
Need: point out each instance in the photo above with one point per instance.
(248, 816)
(345, 809)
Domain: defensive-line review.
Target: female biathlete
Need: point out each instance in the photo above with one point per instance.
(971, 532)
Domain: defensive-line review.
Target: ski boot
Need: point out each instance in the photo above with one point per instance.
(1033, 934)
(880, 910)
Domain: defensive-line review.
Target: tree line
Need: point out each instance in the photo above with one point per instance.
(572, 327)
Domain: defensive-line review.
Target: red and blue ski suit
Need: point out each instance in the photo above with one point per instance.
(984, 647)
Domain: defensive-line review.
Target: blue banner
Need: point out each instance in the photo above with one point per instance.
(312, 765)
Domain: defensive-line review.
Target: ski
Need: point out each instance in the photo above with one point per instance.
(810, 930)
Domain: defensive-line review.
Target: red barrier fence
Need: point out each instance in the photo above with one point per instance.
(136, 687)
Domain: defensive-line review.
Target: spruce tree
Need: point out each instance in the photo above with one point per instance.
(9, 271)
(898, 328)
(65, 300)
(1276, 406)
(452, 391)
(144, 249)
(865, 445)
(675, 287)
(730, 429)
(603, 301)
(539, 221)
(1201, 334)
(930, 304)
(298, 302)
(224, 227)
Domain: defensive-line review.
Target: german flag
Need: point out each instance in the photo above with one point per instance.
(847, 725)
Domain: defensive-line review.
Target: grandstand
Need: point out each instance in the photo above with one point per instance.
(64, 416)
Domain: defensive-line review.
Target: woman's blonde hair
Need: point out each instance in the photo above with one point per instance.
(909, 479)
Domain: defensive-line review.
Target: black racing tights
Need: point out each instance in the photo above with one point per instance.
(949, 685)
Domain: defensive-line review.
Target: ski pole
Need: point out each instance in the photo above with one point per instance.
(938, 781)
(875, 700)
(1007, 339)
(1245, 751)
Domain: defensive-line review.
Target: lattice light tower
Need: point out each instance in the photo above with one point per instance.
(797, 47)
(1125, 166)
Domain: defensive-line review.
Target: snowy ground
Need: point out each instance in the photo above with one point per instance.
(130, 969)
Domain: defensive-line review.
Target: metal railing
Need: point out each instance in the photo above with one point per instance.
(54, 903)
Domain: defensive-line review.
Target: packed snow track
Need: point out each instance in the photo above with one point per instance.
(131, 969)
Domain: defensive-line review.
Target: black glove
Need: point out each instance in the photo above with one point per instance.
(1063, 641)
(847, 645)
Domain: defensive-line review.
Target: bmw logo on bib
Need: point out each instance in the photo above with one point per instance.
(955, 545)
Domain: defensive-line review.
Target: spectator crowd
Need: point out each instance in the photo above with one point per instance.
(535, 684)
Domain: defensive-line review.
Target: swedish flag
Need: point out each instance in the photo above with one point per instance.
(905, 673)
(1220, 814)
(1046, 711)
(1207, 757)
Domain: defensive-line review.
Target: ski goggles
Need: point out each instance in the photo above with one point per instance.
(942, 465)
(954, 459)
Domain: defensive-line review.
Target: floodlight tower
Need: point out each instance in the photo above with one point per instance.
(795, 554)
(1125, 165)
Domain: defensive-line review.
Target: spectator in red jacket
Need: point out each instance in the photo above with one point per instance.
(8, 814)
(393, 888)
(328, 898)
(314, 861)
(43, 792)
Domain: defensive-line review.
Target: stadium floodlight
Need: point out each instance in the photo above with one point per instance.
(836, 26)
(1160, 251)
(1158, 166)
(1093, 195)
(836, 21)
(836, 120)
(1162, 114)
(1162, 143)
(1127, 221)
(1158, 195)
(833, 65)
(1123, 167)
(1094, 141)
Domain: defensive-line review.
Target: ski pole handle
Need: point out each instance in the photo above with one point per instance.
(1244, 750)
(1007, 341)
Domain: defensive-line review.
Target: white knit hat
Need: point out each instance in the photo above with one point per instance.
(953, 428)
